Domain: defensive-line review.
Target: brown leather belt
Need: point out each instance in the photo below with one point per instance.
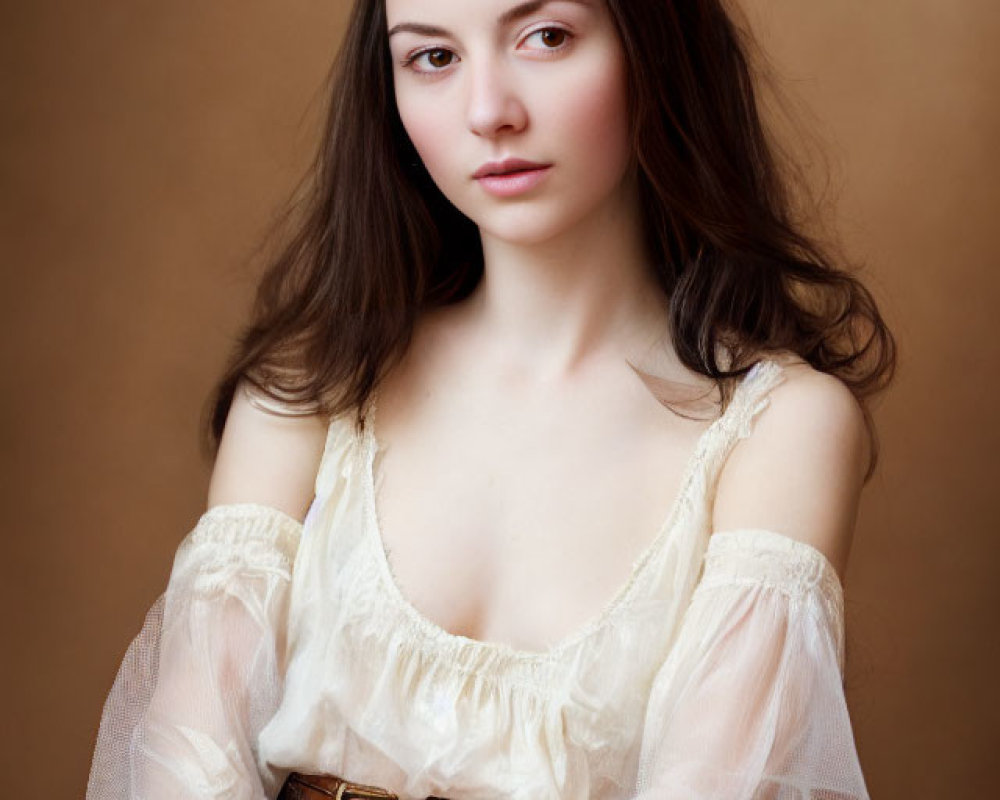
(319, 787)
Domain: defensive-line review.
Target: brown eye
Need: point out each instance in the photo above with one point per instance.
(438, 58)
(553, 37)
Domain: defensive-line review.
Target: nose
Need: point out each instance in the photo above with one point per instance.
(494, 105)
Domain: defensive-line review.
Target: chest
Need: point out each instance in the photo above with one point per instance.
(520, 529)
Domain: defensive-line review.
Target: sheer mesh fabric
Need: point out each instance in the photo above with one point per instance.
(203, 675)
(750, 702)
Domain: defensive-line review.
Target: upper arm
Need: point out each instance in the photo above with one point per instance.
(801, 471)
(266, 458)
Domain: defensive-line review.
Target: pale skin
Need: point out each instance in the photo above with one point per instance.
(525, 466)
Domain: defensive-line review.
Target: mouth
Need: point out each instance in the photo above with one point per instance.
(513, 182)
(508, 166)
(509, 172)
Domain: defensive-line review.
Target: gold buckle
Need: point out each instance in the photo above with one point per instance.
(357, 791)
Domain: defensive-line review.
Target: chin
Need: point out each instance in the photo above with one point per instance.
(525, 225)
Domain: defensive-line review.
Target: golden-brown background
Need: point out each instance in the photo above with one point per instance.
(145, 147)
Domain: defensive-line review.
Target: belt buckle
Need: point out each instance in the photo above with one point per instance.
(358, 791)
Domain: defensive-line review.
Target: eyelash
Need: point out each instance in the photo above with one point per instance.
(407, 62)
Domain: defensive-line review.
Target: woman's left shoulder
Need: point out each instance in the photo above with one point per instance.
(801, 470)
(810, 397)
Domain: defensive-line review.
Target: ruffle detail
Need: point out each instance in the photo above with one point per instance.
(238, 539)
(756, 556)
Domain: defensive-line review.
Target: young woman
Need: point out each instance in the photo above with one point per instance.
(540, 460)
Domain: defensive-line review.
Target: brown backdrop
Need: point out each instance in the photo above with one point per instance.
(147, 146)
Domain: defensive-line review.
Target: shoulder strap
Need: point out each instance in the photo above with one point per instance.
(340, 453)
(751, 396)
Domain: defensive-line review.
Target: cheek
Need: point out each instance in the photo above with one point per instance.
(592, 114)
(428, 130)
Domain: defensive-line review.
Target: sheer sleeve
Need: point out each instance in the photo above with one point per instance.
(750, 702)
(205, 672)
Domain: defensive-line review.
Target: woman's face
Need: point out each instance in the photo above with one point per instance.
(483, 81)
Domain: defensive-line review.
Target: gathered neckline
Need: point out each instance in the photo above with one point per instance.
(619, 599)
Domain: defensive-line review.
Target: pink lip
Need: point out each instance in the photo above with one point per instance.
(506, 165)
(513, 183)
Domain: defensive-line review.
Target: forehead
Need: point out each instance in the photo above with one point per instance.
(477, 11)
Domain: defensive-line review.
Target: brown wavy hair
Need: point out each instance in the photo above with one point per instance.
(374, 242)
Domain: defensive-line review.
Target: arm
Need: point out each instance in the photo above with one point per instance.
(266, 458)
(800, 472)
(750, 701)
(206, 671)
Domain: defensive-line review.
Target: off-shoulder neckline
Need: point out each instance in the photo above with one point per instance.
(245, 509)
(775, 540)
(434, 632)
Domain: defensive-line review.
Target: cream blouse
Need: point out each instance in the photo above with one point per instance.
(715, 672)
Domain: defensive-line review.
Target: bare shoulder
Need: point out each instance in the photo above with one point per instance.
(267, 458)
(800, 473)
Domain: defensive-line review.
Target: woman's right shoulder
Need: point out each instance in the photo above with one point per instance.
(266, 457)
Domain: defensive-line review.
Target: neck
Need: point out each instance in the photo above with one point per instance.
(546, 309)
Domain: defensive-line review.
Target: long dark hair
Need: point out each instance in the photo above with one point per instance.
(375, 242)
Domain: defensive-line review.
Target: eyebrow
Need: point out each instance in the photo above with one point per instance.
(506, 18)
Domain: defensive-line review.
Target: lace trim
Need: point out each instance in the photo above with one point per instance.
(761, 557)
(750, 399)
(755, 390)
(239, 539)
